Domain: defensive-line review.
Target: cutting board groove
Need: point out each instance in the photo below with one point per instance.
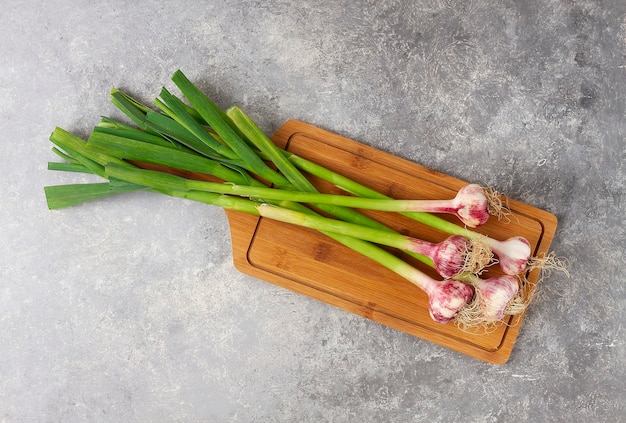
(311, 264)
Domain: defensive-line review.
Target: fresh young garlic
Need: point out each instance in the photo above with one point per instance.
(446, 298)
(494, 295)
(450, 255)
(513, 254)
(494, 298)
(470, 206)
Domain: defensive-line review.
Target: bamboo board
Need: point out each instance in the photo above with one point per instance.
(309, 263)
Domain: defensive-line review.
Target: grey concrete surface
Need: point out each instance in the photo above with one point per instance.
(130, 310)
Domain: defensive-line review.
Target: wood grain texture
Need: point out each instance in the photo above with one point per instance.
(312, 264)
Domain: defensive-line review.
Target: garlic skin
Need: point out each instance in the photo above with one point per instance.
(450, 256)
(446, 298)
(513, 254)
(494, 295)
(472, 205)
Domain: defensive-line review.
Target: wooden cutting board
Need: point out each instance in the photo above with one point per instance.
(312, 264)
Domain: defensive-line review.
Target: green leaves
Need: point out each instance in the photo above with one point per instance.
(222, 125)
(63, 196)
(268, 149)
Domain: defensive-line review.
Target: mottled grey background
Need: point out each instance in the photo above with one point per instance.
(130, 309)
